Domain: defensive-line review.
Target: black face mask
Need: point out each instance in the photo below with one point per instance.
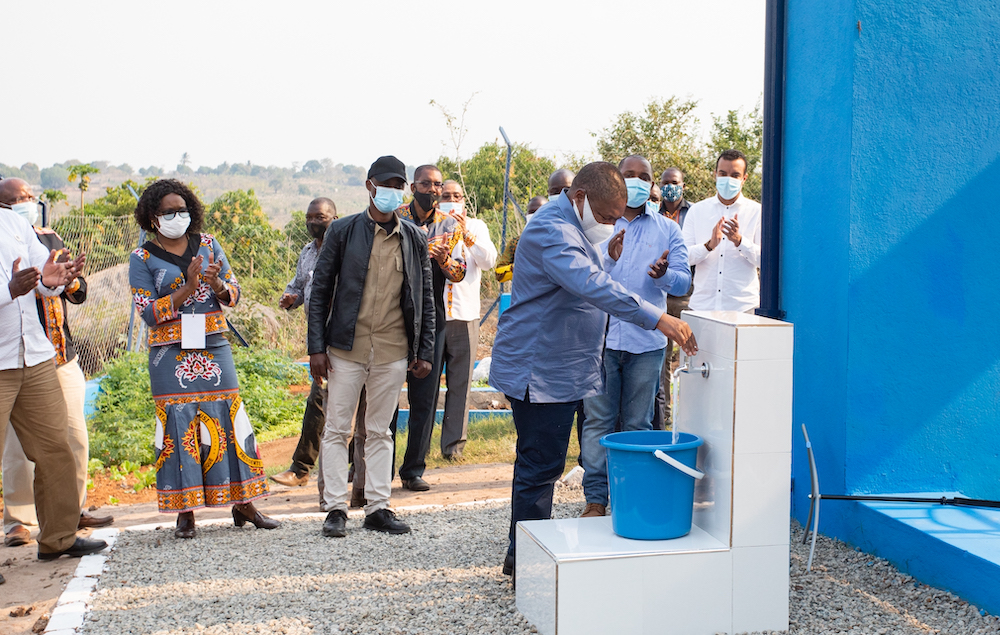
(426, 201)
(318, 230)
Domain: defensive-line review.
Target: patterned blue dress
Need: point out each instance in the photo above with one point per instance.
(206, 453)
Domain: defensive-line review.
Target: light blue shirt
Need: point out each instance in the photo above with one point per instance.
(647, 236)
(550, 341)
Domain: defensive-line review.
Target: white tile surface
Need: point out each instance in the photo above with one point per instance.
(67, 620)
(535, 595)
(773, 341)
(571, 539)
(705, 408)
(78, 590)
(91, 566)
(760, 589)
(761, 499)
(763, 406)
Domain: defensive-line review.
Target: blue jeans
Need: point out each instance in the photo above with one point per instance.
(631, 380)
(543, 431)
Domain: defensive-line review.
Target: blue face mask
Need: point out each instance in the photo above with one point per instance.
(728, 187)
(387, 199)
(638, 192)
(652, 208)
(671, 192)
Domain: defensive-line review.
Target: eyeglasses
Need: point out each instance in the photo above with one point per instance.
(437, 184)
(183, 213)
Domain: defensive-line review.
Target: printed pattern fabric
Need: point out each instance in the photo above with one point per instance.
(206, 451)
(441, 230)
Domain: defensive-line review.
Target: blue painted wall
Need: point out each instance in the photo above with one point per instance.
(891, 245)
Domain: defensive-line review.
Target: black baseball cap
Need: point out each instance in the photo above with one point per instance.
(387, 167)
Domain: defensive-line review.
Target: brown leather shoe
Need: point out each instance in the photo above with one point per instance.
(185, 525)
(243, 514)
(289, 478)
(17, 536)
(593, 510)
(88, 521)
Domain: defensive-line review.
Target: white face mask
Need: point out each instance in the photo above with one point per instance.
(452, 208)
(28, 211)
(174, 228)
(595, 231)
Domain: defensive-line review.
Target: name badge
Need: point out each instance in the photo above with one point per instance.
(193, 330)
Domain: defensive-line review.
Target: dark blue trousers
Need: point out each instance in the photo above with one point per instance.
(543, 431)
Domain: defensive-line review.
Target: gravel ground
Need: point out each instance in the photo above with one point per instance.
(443, 578)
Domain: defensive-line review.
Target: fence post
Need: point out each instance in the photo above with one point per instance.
(131, 314)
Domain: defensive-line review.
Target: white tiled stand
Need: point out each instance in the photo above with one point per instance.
(730, 574)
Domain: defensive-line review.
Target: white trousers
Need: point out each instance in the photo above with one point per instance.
(19, 472)
(382, 383)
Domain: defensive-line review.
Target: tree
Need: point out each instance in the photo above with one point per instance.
(312, 167)
(82, 172)
(304, 189)
(118, 200)
(666, 134)
(743, 132)
(54, 177)
(276, 184)
(53, 196)
(32, 174)
(185, 159)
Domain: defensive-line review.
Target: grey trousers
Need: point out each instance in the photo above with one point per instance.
(460, 345)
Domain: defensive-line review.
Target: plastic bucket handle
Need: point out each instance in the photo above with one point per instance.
(674, 463)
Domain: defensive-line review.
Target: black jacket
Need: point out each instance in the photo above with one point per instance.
(339, 281)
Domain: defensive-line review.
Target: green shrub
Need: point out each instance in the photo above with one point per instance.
(122, 427)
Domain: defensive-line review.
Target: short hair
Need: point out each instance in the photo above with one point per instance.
(149, 204)
(450, 181)
(634, 156)
(602, 180)
(731, 155)
(322, 200)
(423, 168)
(677, 170)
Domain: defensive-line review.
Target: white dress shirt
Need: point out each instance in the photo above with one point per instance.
(22, 338)
(725, 279)
(461, 299)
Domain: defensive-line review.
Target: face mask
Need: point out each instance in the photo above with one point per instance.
(426, 201)
(728, 187)
(595, 231)
(316, 230)
(671, 192)
(28, 211)
(174, 228)
(652, 208)
(452, 208)
(638, 192)
(387, 199)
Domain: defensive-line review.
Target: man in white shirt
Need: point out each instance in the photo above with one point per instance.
(31, 397)
(461, 302)
(722, 235)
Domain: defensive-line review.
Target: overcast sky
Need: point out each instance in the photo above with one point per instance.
(279, 82)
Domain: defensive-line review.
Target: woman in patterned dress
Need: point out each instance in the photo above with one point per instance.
(206, 453)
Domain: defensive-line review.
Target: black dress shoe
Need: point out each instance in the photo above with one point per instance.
(185, 526)
(81, 547)
(88, 521)
(335, 525)
(416, 484)
(384, 520)
(1, 579)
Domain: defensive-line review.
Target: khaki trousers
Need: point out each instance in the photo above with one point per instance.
(382, 383)
(32, 400)
(19, 472)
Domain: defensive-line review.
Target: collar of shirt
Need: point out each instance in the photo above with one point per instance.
(378, 225)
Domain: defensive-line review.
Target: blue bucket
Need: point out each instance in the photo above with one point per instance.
(652, 483)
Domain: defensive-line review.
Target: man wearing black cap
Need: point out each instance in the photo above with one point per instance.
(371, 319)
